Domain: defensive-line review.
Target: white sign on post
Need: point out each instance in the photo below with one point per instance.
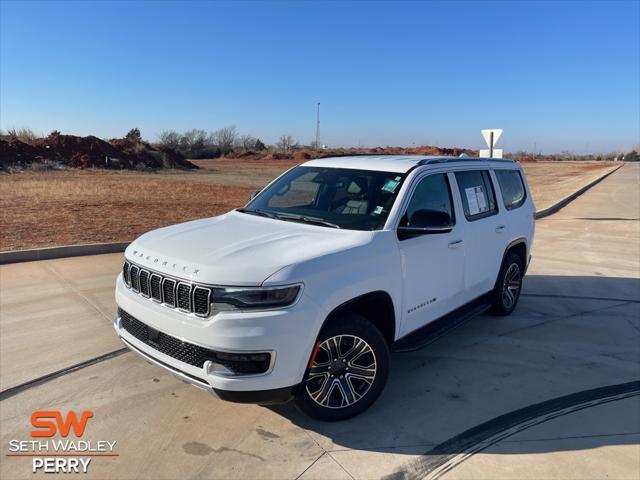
(486, 153)
(486, 133)
(491, 136)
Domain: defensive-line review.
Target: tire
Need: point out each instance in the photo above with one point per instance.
(506, 292)
(357, 376)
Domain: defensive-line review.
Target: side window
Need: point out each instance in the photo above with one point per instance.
(432, 198)
(512, 188)
(478, 197)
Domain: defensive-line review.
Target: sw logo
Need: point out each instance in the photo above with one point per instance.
(41, 420)
(62, 454)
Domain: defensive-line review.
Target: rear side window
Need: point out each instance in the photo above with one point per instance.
(478, 197)
(512, 188)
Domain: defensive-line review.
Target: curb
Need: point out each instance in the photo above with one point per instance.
(19, 256)
(562, 203)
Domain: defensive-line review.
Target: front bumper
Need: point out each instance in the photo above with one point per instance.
(263, 397)
(287, 334)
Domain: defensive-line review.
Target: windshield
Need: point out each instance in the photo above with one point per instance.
(331, 197)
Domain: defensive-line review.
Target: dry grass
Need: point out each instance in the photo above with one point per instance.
(553, 181)
(49, 208)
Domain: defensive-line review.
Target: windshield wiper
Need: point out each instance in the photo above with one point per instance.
(255, 211)
(287, 216)
(305, 219)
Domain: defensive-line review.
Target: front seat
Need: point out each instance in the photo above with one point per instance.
(357, 202)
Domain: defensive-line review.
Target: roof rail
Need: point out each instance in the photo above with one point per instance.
(431, 161)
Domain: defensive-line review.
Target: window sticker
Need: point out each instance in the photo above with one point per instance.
(476, 199)
(391, 185)
(378, 210)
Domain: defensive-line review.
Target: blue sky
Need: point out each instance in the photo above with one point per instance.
(563, 75)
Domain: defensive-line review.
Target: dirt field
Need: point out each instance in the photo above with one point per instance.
(42, 209)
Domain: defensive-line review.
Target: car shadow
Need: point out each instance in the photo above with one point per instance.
(569, 335)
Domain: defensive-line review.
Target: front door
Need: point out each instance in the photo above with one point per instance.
(432, 263)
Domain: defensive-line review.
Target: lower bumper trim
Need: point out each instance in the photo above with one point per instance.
(261, 397)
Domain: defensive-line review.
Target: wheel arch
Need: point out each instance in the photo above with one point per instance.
(519, 246)
(376, 306)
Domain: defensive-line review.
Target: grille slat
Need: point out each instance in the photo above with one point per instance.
(135, 280)
(201, 301)
(169, 292)
(125, 274)
(156, 291)
(144, 283)
(183, 294)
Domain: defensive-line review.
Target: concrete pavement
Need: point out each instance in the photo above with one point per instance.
(577, 327)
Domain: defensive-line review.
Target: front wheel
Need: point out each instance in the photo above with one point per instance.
(508, 286)
(347, 371)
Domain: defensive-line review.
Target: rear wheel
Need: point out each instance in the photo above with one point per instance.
(347, 371)
(508, 286)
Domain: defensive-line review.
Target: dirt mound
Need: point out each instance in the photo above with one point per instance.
(89, 152)
(301, 156)
(13, 151)
(307, 154)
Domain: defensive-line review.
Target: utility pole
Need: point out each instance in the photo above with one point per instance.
(318, 127)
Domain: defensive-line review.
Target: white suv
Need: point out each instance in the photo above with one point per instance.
(305, 291)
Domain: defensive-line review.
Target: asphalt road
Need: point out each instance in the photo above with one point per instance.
(545, 393)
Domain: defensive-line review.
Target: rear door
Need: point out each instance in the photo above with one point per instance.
(432, 264)
(485, 230)
(519, 210)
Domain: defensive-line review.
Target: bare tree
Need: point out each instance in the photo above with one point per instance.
(169, 139)
(246, 142)
(285, 143)
(224, 139)
(194, 143)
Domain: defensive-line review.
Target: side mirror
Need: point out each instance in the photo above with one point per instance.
(254, 194)
(426, 222)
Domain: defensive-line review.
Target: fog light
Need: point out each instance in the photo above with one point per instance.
(240, 363)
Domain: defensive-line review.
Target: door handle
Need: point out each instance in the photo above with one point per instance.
(455, 244)
(500, 229)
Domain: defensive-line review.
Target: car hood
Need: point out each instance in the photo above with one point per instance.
(237, 248)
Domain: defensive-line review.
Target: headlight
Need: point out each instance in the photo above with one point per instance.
(255, 297)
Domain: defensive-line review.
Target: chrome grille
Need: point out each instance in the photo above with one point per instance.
(172, 293)
(144, 283)
(201, 300)
(183, 294)
(135, 281)
(169, 292)
(156, 291)
(125, 274)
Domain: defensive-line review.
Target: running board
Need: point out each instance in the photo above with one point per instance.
(432, 331)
